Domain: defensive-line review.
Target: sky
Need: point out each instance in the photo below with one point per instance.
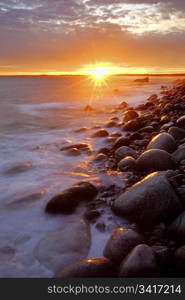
(69, 36)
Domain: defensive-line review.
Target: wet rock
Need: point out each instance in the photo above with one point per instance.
(126, 163)
(111, 124)
(100, 133)
(18, 168)
(100, 157)
(179, 260)
(163, 255)
(120, 243)
(101, 226)
(132, 125)
(140, 262)
(82, 129)
(92, 214)
(122, 141)
(163, 141)
(155, 160)
(79, 146)
(65, 246)
(123, 105)
(115, 134)
(110, 140)
(141, 143)
(149, 201)
(177, 133)
(73, 152)
(165, 119)
(94, 267)
(130, 115)
(124, 151)
(67, 200)
(166, 126)
(179, 154)
(181, 122)
(147, 129)
(177, 229)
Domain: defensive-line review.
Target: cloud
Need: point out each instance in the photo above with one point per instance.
(63, 35)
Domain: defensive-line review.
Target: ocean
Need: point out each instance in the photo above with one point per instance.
(38, 116)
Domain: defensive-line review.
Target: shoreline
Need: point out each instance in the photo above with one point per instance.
(163, 239)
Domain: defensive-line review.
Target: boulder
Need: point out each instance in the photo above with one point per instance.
(73, 152)
(100, 133)
(93, 267)
(151, 200)
(126, 163)
(121, 141)
(163, 141)
(123, 152)
(181, 122)
(120, 243)
(64, 246)
(155, 160)
(179, 259)
(130, 115)
(111, 124)
(177, 133)
(179, 154)
(147, 129)
(176, 230)
(132, 125)
(122, 105)
(166, 126)
(79, 146)
(68, 199)
(140, 262)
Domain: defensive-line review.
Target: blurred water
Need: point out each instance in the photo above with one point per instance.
(37, 117)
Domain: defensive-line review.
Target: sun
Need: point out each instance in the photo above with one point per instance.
(99, 72)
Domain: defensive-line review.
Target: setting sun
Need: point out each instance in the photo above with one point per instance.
(99, 72)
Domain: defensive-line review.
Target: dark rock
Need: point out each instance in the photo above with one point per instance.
(155, 160)
(181, 122)
(69, 198)
(141, 143)
(149, 201)
(127, 162)
(166, 126)
(100, 157)
(115, 134)
(132, 125)
(64, 246)
(111, 124)
(18, 168)
(165, 119)
(124, 151)
(179, 154)
(83, 129)
(140, 262)
(100, 133)
(88, 108)
(177, 133)
(73, 152)
(163, 141)
(142, 80)
(177, 229)
(92, 214)
(163, 255)
(130, 115)
(101, 226)
(179, 260)
(147, 129)
(95, 267)
(79, 146)
(122, 141)
(120, 243)
(122, 105)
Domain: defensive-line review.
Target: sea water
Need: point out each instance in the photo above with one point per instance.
(38, 116)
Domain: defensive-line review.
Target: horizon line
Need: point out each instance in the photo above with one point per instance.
(85, 75)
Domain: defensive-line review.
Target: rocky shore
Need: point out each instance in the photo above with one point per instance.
(148, 146)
